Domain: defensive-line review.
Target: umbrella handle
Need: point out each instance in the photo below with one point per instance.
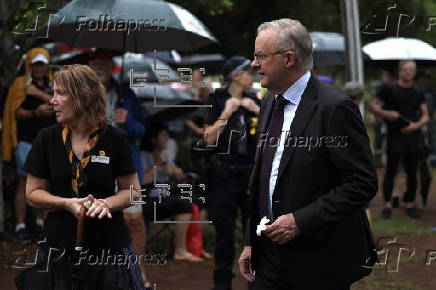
(80, 228)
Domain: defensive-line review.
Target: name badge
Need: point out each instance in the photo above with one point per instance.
(100, 159)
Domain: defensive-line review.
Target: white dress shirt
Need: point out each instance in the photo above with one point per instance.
(293, 95)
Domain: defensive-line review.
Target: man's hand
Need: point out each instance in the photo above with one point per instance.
(391, 115)
(283, 229)
(44, 110)
(120, 116)
(413, 126)
(232, 105)
(245, 264)
(250, 105)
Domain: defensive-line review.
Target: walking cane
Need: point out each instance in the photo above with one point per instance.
(80, 228)
(81, 225)
(78, 246)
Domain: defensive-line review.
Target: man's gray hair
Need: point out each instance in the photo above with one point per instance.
(354, 90)
(294, 36)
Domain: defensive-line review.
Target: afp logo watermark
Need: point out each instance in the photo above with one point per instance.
(391, 253)
(389, 19)
(43, 15)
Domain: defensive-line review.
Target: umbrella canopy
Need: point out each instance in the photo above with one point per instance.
(212, 63)
(160, 92)
(145, 67)
(328, 48)
(129, 25)
(72, 57)
(327, 41)
(170, 57)
(398, 48)
(169, 109)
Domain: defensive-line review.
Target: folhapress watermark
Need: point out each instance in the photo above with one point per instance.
(108, 257)
(103, 257)
(307, 142)
(106, 23)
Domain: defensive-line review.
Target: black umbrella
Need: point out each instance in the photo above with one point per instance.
(328, 48)
(169, 110)
(72, 57)
(128, 25)
(140, 67)
(212, 63)
(160, 93)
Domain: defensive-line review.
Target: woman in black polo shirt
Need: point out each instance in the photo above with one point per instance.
(74, 163)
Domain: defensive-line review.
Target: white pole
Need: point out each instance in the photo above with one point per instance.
(351, 28)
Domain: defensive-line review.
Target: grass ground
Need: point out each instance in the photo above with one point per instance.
(412, 274)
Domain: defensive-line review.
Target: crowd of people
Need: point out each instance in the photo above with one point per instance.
(77, 138)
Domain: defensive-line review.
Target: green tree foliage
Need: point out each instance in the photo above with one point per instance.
(233, 22)
(18, 18)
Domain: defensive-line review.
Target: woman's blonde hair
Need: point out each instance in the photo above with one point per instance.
(87, 93)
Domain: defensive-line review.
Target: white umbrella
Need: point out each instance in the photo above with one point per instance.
(398, 48)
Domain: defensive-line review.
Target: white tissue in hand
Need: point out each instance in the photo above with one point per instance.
(87, 204)
(261, 226)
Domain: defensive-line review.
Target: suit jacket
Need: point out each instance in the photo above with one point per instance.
(326, 177)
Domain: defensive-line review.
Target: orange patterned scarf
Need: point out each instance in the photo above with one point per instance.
(79, 178)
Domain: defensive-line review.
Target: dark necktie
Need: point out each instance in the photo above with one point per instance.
(269, 150)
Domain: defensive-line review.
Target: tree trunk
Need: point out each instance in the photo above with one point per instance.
(8, 54)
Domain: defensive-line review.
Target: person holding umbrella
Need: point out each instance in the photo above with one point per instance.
(405, 113)
(74, 164)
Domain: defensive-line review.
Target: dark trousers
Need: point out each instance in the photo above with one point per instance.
(270, 274)
(267, 265)
(403, 147)
(226, 195)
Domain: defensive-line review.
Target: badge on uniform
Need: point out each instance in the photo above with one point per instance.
(100, 159)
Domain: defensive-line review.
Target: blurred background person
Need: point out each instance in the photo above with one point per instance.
(124, 112)
(405, 113)
(200, 91)
(228, 121)
(27, 111)
(159, 169)
(427, 147)
(356, 92)
(200, 88)
(380, 127)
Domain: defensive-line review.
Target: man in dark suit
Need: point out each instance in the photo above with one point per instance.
(313, 174)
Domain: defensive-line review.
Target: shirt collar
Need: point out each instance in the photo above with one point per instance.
(295, 91)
